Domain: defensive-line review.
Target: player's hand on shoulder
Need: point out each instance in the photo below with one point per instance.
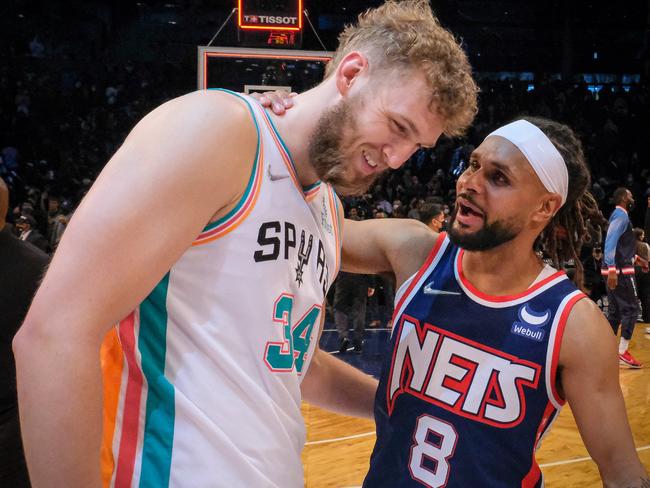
(278, 101)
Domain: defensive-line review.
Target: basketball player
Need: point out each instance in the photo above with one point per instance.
(488, 342)
(211, 238)
(618, 270)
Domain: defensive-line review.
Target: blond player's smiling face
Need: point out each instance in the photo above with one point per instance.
(376, 128)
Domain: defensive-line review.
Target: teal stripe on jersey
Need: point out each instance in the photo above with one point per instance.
(310, 187)
(336, 206)
(283, 144)
(159, 419)
(251, 180)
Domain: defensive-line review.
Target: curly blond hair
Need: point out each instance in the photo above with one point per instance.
(399, 35)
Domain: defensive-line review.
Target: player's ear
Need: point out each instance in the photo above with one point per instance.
(349, 69)
(548, 207)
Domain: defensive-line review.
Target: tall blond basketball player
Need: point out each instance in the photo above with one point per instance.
(210, 239)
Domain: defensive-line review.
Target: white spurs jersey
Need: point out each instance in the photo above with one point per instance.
(202, 380)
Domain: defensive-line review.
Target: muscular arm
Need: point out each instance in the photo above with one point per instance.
(398, 246)
(589, 379)
(180, 165)
(334, 385)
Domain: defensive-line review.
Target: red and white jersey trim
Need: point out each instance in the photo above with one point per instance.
(411, 286)
(554, 344)
(502, 301)
(627, 270)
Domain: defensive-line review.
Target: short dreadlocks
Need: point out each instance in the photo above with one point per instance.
(563, 237)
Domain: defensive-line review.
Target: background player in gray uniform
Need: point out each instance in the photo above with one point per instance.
(618, 269)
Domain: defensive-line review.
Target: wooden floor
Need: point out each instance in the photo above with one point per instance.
(338, 448)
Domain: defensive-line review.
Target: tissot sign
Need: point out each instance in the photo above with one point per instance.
(270, 15)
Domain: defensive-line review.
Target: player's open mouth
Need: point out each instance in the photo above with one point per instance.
(468, 213)
(468, 210)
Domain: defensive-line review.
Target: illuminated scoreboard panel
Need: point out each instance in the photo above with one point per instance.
(273, 15)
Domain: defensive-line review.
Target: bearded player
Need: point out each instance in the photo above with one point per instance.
(488, 341)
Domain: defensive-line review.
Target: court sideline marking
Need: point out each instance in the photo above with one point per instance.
(545, 465)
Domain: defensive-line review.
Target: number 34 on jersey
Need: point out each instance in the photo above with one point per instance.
(291, 352)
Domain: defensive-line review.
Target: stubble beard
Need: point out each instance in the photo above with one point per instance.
(327, 150)
(489, 236)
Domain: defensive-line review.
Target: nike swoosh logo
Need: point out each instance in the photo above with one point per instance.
(273, 177)
(429, 290)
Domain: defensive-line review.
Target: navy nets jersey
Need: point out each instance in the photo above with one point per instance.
(468, 389)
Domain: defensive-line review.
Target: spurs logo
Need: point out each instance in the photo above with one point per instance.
(303, 256)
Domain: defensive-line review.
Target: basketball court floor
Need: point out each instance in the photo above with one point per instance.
(338, 448)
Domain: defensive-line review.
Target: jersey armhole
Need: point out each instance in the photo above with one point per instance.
(337, 223)
(236, 216)
(554, 345)
(410, 285)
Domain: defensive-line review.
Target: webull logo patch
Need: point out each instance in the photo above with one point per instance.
(530, 324)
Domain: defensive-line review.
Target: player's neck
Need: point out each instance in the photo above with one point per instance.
(296, 127)
(508, 269)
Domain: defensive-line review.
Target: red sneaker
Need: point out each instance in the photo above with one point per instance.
(626, 359)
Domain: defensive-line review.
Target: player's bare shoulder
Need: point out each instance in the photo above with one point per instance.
(208, 118)
(212, 132)
(587, 334)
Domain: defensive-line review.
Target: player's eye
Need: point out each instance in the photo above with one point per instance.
(500, 179)
(400, 127)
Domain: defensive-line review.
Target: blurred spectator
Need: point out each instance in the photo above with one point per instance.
(350, 300)
(646, 224)
(433, 216)
(56, 221)
(399, 212)
(21, 267)
(36, 48)
(593, 281)
(26, 224)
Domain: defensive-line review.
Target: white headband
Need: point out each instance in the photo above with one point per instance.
(540, 152)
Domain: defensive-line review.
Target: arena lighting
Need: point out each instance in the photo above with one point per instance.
(268, 22)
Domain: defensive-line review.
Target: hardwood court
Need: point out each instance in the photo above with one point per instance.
(338, 448)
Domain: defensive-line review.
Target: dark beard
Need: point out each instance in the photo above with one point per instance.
(488, 237)
(326, 150)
